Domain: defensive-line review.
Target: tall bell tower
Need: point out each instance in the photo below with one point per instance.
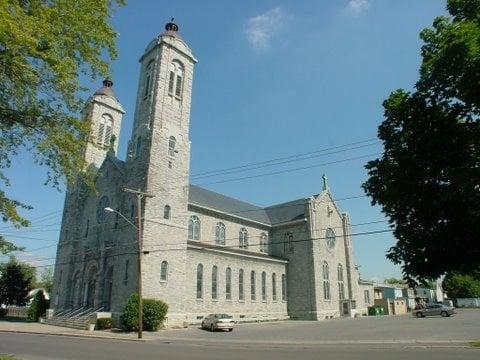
(160, 151)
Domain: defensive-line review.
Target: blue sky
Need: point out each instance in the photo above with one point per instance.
(274, 78)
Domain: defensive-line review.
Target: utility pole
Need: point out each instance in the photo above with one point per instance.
(140, 195)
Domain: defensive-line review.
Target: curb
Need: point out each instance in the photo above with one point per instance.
(102, 337)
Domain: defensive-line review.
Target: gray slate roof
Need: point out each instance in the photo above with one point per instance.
(271, 215)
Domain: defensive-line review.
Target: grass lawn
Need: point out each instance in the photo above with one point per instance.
(7, 357)
(473, 343)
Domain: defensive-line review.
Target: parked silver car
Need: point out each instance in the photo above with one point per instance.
(434, 309)
(218, 322)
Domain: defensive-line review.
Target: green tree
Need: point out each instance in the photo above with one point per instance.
(45, 46)
(38, 307)
(427, 178)
(461, 286)
(154, 312)
(394, 281)
(16, 280)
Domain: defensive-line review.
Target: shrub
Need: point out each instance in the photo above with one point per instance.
(154, 312)
(38, 307)
(104, 323)
(3, 312)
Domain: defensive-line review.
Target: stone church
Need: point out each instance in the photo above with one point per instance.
(202, 252)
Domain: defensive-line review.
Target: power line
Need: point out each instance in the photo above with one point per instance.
(222, 247)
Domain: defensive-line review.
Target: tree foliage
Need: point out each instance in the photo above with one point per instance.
(461, 286)
(427, 180)
(45, 46)
(16, 280)
(46, 280)
(38, 307)
(154, 313)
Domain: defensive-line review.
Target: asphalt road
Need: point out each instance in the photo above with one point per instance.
(44, 347)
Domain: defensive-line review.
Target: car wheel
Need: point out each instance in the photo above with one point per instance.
(444, 314)
(212, 328)
(419, 314)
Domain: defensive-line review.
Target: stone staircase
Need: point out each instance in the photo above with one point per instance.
(75, 319)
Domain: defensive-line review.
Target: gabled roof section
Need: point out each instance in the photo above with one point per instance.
(117, 163)
(289, 211)
(210, 199)
(327, 193)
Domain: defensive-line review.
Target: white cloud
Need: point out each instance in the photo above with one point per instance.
(261, 28)
(357, 6)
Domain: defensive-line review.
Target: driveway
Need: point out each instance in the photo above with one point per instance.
(465, 325)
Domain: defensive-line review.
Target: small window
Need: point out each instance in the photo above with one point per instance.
(284, 288)
(199, 281)
(263, 243)
(117, 219)
(194, 228)
(138, 147)
(274, 287)
(125, 276)
(264, 286)
(172, 142)
(228, 284)
(164, 271)
(253, 288)
(220, 234)
(86, 228)
(148, 80)
(166, 212)
(330, 238)
(214, 282)
(243, 239)
(241, 286)
(366, 296)
(132, 211)
(288, 246)
(341, 286)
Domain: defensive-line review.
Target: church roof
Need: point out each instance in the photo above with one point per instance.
(292, 210)
(106, 90)
(219, 202)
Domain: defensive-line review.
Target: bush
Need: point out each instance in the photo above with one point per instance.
(104, 323)
(154, 312)
(3, 312)
(38, 307)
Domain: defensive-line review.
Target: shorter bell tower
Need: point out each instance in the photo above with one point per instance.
(105, 112)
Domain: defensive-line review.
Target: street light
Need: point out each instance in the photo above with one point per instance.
(140, 195)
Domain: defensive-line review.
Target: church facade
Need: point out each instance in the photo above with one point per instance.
(202, 252)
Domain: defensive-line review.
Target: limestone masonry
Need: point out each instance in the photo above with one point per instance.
(203, 252)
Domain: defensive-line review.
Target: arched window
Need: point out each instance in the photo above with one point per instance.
(105, 127)
(228, 284)
(164, 271)
(166, 212)
(326, 281)
(330, 238)
(194, 228)
(132, 211)
(220, 234)
(148, 80)
(103, 203)
(214, 282)
(199, 281)
(243, 239)
(175, 80)
(241, 285)
(87, 227)
(274, 287)
(263, 243)
(172, 142)
(264, 286)
(284, 288)
(253, 287)
(288, 246)
(341, 287)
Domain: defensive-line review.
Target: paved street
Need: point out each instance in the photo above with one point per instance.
(367, 338)
(39, 347)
